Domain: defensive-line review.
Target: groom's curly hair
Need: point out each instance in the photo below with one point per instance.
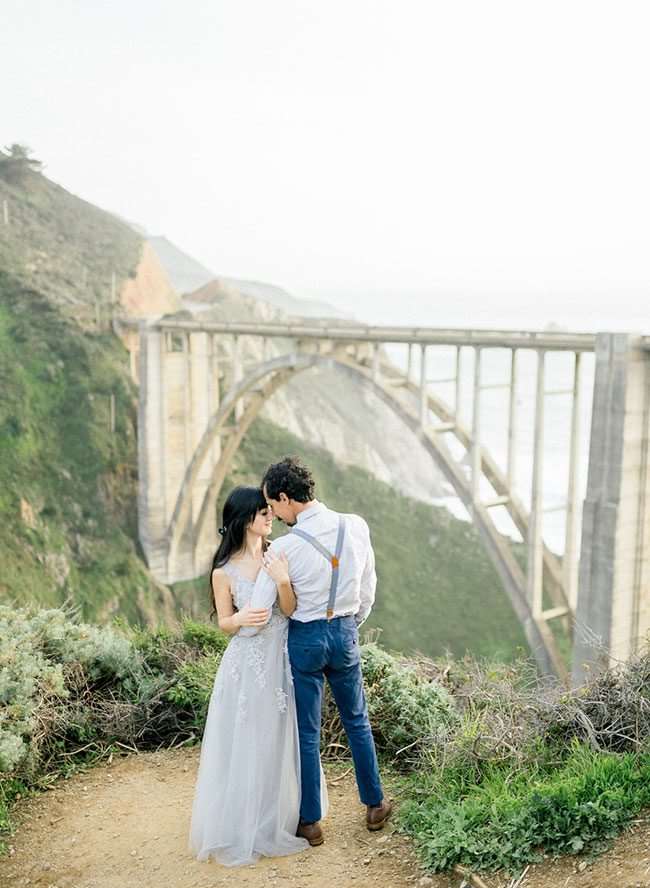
(289, 476)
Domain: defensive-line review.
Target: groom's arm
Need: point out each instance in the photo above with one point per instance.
(368, 584)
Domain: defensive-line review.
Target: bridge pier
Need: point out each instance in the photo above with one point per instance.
(152, 510)
(204, 400)
(613, 608)
(179, 392)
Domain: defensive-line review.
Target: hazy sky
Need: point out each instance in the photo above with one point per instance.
(489, 150)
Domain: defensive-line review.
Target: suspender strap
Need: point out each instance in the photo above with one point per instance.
(325, 552)
(334, 560)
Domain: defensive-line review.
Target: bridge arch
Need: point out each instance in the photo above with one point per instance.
(265, 378)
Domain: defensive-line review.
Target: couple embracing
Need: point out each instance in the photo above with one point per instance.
(293, 610)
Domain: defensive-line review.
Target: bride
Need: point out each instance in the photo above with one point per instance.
(247, 797)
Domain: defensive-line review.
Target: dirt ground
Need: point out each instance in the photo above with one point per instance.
(125, 825)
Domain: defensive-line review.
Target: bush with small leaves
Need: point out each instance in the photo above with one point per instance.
(409, 711)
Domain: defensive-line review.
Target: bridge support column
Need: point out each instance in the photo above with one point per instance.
(613, 610)
(237, 372)
(152, 508)
(204, 400)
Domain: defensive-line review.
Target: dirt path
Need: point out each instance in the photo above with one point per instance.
(124, 825)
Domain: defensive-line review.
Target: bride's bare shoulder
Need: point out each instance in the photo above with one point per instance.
(220, 577)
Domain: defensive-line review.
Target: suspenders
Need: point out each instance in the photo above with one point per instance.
(334, 560)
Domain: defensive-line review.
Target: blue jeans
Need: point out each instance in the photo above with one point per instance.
(320, 649)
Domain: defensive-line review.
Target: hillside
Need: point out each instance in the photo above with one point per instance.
(67, 404)
(83, 259)
(67, 478)
(63, 247)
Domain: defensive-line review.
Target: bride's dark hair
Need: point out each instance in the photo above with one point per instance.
(239, 510)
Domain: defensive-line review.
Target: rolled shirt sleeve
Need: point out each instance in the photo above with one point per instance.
(368, 585)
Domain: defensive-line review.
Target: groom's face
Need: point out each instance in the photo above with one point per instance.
(281, 508)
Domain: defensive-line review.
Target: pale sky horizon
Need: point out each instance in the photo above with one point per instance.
(496, 154)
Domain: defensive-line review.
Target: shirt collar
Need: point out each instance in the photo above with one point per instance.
(316, 509)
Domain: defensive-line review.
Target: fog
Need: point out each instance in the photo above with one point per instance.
(421, 162)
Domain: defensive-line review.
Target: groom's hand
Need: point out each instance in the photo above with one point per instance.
(249, 616)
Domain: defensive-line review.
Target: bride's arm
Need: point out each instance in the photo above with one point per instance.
(231, 620)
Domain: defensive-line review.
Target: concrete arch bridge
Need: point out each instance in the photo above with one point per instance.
(203, 384)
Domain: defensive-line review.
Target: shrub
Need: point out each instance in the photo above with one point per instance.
(68, 687)
(208, 639)
(531, 766)
(191, 692)
(29, 681)
(408, 711)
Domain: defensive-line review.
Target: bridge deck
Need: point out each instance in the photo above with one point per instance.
(535, 339)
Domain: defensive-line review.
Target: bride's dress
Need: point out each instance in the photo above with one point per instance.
(247, 797)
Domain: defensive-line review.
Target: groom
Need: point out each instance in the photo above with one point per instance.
(332, 570)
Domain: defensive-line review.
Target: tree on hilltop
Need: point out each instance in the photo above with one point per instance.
(15, 162)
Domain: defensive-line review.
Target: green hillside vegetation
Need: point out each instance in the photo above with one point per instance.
(437, 589)
(67, 481)
(68, 488)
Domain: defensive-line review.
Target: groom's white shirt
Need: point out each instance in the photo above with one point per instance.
(311, 575)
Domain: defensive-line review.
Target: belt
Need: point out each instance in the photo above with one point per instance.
(322, 619)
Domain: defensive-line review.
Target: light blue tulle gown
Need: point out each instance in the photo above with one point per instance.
(247, 797)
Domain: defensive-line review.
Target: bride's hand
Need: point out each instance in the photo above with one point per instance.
(277, 567)
(249, 616)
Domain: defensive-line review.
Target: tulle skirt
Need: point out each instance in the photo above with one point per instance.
(247, 798)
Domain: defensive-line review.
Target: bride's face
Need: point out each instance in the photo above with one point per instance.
(263, 523)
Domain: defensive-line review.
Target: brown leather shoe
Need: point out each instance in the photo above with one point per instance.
(312, 832)
(377, 815)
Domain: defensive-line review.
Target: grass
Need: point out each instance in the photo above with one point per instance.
(512, 818)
